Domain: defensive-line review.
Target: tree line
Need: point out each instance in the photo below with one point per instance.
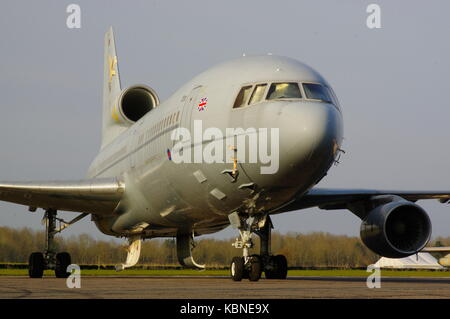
(315, 249)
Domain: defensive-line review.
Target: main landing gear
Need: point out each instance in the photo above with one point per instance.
(251, 267)
(50, 259)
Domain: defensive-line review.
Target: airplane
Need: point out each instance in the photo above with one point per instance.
(149, 180)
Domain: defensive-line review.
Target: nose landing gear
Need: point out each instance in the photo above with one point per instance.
(251, 267)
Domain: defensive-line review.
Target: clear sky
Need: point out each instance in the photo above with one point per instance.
(391, 83)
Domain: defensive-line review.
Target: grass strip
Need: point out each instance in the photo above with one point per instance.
(190, 272)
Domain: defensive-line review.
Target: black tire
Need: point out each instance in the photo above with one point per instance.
(36, 265)
(272, 272)
(63, 260)
(281, 266)
(245, 275)
(237, 268)
(254, 273)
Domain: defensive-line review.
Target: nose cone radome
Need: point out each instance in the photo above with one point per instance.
(310, 134)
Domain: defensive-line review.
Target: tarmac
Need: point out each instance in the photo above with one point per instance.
(108, 287)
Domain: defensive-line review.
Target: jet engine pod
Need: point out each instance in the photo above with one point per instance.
(136, 101)
(396, 229)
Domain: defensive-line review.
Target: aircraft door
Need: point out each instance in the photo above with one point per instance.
(190, 104)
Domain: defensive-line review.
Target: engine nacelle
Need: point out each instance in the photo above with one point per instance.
(133, 103)
(396, 229)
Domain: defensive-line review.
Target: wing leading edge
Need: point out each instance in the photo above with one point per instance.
(96, 196)
(326, 198)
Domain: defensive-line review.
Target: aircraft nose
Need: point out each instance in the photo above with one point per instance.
(309, 132)
(309, 137)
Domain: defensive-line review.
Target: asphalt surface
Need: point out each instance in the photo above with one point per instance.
(220, 287)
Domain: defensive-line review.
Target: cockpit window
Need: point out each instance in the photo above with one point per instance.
(284, 91)
(242, 96)
(334, 97)
(258, 93)
(317, 92)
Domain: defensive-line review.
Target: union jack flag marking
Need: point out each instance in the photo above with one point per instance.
(202, 105)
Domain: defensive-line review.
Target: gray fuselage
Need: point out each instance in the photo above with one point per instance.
(163, 198)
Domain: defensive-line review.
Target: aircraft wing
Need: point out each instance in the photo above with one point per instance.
(326, 198)
(99, 196)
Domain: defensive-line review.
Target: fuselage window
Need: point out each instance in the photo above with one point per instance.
(317, 92)
(242, 96)
(284, 91)
(258, 93)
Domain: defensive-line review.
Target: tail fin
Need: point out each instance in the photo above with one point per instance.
(111, 91)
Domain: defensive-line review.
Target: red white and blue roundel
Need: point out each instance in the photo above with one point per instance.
(202, 105)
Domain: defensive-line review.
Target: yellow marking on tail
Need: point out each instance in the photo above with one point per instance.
(115, 114)
(112, 67)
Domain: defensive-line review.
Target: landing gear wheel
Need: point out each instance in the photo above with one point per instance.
(278, 268)
(246, 273)
(63, 260)
(36, 265)
(281, 266)
(251, 222)
(271, 273)
(237, 268)
(254, 273)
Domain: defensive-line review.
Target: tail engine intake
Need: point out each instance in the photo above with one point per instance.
(134, 102)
